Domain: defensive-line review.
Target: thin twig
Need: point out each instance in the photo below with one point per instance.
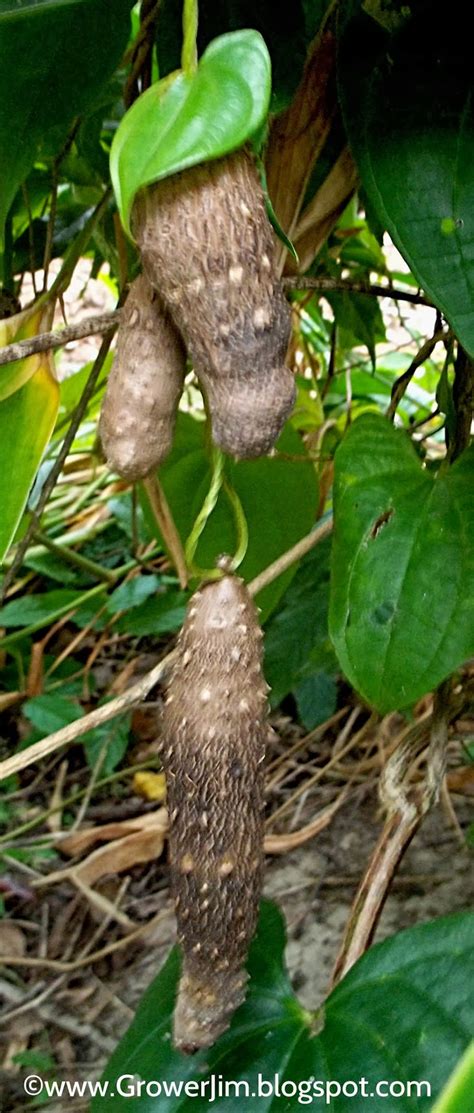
(85, 960)
(91, 326)
(463, 401)
(402, 383)
(373, 289)
(72, 731)
(48, 341)
(60, 1017)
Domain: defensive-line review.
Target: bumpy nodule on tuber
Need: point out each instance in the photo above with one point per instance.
(214, 733)
(144, 387)
(207, 246)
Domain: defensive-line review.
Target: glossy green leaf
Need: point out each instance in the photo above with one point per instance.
(196, 118)
(402, 593)
(53, 59)
(403, 1014)
(26, 422)
(408, 108)
(279, 499)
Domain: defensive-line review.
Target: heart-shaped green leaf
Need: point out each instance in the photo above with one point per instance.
(402, 591)
(197, 117)
(402, 1017)
(408, 108)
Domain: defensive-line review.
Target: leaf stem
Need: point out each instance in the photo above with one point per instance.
(240, 523)
(206, 511)
(190, 26)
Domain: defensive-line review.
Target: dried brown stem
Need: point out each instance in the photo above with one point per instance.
(167, 526)
(402, 383)
(372, 289)
(104, 714)
(85, 960)
(406, 808)
(463, 400)
(92, 326)
(48, 341)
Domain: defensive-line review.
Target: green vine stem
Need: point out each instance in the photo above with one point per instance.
(190, 26)
(241, 526)
(218, 483)
(205, 513)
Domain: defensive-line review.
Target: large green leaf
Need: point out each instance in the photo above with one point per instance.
(402, 594)
(27, 420)
(196, 118)
(408, 108)
(53, 58)
(279, 498)
(403, 1014)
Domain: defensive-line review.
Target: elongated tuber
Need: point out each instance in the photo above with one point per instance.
(144, 387)
(215, 729)
(207, 246)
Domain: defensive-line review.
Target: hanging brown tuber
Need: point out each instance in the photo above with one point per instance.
(214, 733)
(144, 386)
(208, 248)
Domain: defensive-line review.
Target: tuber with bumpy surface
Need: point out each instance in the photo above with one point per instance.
(207, 246)
(214, 732)
(144, 386)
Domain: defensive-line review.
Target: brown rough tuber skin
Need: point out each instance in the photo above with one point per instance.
(215, 730)
(207, 246)
(144, 387)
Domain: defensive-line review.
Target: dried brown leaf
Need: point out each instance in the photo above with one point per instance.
(80, 841)
(122, 854)
(320, 216)
(297, 136)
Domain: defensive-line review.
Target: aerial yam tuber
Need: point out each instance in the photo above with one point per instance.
(207, 246)
(214, 733)
(144, 386)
